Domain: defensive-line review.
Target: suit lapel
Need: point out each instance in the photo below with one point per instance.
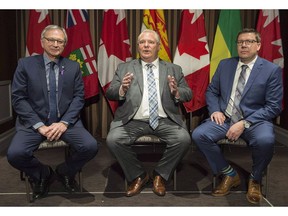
(42, 75)
(61, 65)
(139, 74)
(163, 73)
(254, 73)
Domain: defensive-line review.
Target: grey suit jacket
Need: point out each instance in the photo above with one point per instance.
(129, 105)
(30, 95)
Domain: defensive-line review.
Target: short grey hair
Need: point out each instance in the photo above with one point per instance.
(50, 27)
(150, 31)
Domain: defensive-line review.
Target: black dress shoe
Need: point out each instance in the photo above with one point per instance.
(41, 187)
(69, 183)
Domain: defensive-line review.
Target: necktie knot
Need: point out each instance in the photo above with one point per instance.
(52, 64)
(244, 67)
(149, 66)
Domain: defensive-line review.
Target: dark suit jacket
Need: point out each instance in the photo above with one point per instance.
(129, 105)
(262, 96)
(30, 95)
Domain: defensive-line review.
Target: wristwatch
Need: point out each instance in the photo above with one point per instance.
(246, 124)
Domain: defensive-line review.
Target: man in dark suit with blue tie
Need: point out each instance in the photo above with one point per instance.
(137, 115)
(44, 114)
(244, 108)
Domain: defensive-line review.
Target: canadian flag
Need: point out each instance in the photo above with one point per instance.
(38, 20)
(192, 54)
(271, 43)
(268, 26)
(114, 48)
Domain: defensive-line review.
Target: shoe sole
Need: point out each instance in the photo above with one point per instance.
(224, 194)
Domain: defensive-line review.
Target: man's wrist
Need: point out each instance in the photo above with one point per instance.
(246, 124)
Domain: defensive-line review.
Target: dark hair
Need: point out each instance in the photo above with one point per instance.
(251, 30)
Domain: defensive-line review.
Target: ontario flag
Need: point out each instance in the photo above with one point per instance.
(38, 20)
(114, 48)
(192, 54)
(79, 48)
(155, 20)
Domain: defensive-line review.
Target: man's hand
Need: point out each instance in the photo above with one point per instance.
(173, 86)
(235, 131)
(56, 130)
(218, 117)
(126, 82)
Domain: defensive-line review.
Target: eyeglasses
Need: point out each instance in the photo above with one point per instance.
(247, 42)
(52, 41)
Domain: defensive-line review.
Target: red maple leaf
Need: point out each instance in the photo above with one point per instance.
(115, 36)
(269, 34)
(190, 33)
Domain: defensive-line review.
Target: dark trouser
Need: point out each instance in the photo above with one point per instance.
(25, 142)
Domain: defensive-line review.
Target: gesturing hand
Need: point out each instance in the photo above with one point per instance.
(126, 82)
(173, 86)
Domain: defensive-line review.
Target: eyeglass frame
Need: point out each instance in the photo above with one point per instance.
(247, 42)
(52, 41)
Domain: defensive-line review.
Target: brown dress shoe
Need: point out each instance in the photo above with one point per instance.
(136, 186)
(159, 186)
(226, 184)
(254, 194)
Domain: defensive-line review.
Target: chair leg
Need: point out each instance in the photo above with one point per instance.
(80, 181)
(22, 177)
(27, 186)
(266, 187)
(175, 180)
(214, 181)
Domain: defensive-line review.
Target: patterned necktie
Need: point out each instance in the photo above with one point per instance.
(53, 100)
(236, 112)
(152, 97)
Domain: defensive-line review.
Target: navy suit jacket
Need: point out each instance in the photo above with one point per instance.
(262, 96)
(30, 95)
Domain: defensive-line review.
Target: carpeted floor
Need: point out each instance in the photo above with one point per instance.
(104, 183)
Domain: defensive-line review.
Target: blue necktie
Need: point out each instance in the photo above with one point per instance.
(152, 97)
(236, 111)
(53, 100)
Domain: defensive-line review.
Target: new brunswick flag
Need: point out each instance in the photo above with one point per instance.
(80, 48)
(155, 20)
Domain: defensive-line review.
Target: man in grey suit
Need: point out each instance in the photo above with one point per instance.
(244, 108)
(31, 98)
(130, 87)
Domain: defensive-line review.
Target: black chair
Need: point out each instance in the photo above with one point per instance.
(49, 145)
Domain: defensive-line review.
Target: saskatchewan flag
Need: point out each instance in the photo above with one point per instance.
(229, 24)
